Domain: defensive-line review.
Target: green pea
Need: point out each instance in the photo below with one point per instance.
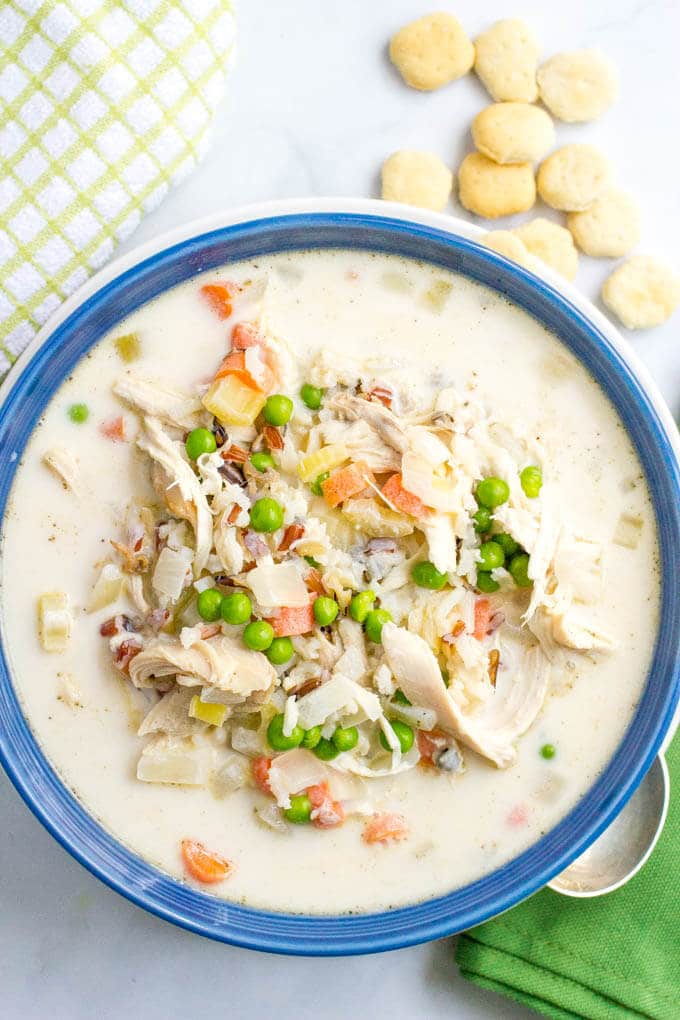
(280, 651)
(236, 608)
(262, 461)
(531, 480)
(519, 570)
(79, 413)
(486, 583)
(200, 441)
(492, 492)
(360, 605)
(491, 556)
(426, 575)
(325, 610)
(318, 481)
(345, 739)
(482, 520)
(374, 623)
(507, 544)
(326, 750)
(548, 751)
(277, 738)
(400, 697)
(266, 515)
(311, 396)
(311, 737)
(278, 409)
(300, 810)
(209, 604)
(403, 733)
(258, 635)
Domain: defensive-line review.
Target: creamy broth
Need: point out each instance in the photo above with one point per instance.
(461, 827)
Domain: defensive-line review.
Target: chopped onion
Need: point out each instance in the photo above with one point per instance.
(173, 570)
(231, 776)
(173, 760)
(278, 585)
(108, 587)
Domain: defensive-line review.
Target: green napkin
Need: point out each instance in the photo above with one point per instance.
(607, 958)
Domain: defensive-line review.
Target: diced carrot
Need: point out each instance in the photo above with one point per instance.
(381, 828)
(290, 621)
(482, 618)
(346, 482)
(293, 533)
(260, 768)
(244, 335)
(401, 498)
(235, 364)
(518, 816)
(233, 514)
(218, 296)
(202, 864)
(326, 812)
(429, 742)
(114, 429)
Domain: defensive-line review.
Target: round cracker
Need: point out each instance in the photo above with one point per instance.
(509, 245)
(643, 292)
(551, 243)
(571, 178)
(416, 178)
(432, 51)
(506, 56)
(578, 86)
(609, 228)
(491, 190)
(513, 132)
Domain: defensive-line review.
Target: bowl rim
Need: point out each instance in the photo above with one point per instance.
(68, 821)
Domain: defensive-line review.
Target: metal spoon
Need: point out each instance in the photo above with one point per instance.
(624, 847)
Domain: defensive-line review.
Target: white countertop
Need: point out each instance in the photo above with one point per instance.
(313, 107)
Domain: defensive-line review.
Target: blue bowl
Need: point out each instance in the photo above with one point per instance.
(596, 346)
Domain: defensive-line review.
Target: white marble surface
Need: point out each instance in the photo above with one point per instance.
(313, 108)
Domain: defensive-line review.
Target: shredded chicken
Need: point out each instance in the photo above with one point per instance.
(220, 662)
(182, 484)
(63, 464)
(492, 729)
(368, 502)
(380, 418)
(171, 406)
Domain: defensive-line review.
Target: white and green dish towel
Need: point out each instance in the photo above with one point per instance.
(104, 105)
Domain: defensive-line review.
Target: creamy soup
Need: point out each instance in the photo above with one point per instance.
(349, 651)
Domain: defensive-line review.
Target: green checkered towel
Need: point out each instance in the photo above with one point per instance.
(104, 105)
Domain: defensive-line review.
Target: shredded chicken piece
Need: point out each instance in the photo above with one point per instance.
(379, 417)
(221, 662)
(171, 406)
(493, 727)
(183, 485)
(63, 464)
(363, 442)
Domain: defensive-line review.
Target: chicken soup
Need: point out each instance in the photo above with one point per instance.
(330, 581)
